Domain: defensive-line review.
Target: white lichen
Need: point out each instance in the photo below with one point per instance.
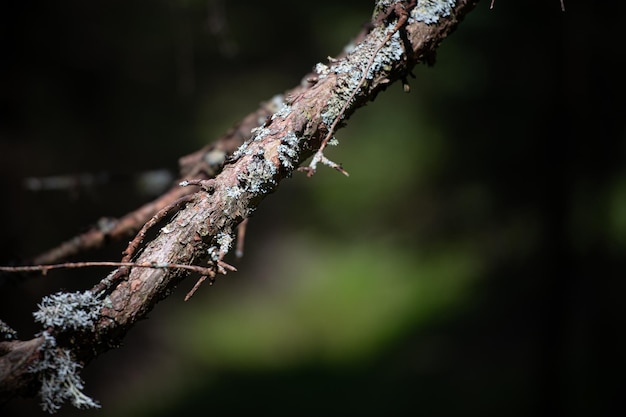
(6, 332)
(59, 375)
(430, 11)
(214, 253)
(259, 133)
(282, 112)
(224, 241)
(388, 54)
(259, 175)
(370, 55)
(288, 151)
(234, 192)
(382, 4)
(69, 311)
(241, 150)
(321, 70)
(355, 64)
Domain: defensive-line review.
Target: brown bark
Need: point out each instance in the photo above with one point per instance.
(205, 227)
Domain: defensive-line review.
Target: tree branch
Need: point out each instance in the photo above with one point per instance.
(402, 35)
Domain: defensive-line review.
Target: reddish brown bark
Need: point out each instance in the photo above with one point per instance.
(205, 227)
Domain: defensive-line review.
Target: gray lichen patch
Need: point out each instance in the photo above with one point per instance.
(386, 56)
(283, 112)
(351, 69)
(240, 151)
(258, 134)
(259, 175)
(224, 242)
(321, 70)
(289, 151)
(430, 11)
(234, 192)
(69, 311)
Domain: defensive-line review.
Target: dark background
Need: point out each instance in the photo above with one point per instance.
(472, 264)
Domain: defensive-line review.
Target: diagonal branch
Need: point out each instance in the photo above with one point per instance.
(204, 228)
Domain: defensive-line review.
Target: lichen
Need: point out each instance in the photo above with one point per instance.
(6, 332)
(257, 178)
(234, 192)
(351, 68)
(214, 253)
(224, 241)
(240, 151)
(288, 151)
(430, 11)
(282, 112)
(69, 311)
(259, 133)
(388, 54)
(321, 70)
(59, 375)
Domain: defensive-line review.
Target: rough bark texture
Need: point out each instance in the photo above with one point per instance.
(205, 228)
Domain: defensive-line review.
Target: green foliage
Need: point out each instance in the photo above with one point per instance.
(334, 304)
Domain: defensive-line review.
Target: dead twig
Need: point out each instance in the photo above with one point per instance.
(75, 265)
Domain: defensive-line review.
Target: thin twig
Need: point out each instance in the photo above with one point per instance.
(197, 285)
(74, 265)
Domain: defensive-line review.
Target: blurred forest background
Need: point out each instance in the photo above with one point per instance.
(472, 264)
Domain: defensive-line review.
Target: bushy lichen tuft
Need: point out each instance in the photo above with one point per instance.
(59, 377)
(69, 311)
